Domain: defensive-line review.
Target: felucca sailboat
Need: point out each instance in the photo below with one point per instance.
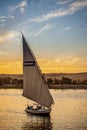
(34, 85)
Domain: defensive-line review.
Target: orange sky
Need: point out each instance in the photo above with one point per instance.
(72, 64)
(56, 32)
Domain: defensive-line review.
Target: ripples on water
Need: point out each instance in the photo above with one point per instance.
(68, 113)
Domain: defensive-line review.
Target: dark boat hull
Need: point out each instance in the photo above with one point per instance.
(38, 112)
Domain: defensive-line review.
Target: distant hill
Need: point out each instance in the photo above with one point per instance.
(18, 76)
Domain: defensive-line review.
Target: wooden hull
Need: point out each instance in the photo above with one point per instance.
(38, 112)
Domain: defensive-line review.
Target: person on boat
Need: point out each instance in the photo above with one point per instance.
(29, 107)
(39, 107)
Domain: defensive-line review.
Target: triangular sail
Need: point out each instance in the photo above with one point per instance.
(35, 87)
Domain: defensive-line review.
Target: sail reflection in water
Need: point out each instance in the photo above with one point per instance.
(37, 123)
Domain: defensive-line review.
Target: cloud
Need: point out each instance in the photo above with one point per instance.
(78, 5)
(61, 2)
(52, 14)
(2, 17)
(21, 6)
(70, 60)
(70, 9)
(62, 64)
(11, 16)
(43, 29)
(67, 28)
(62, 61)
(6, 37)
(5, 65)
(2, 53)
(2, 20)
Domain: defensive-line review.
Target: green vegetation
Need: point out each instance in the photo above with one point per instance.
(8, 82)
(65, 80)
(64, 83)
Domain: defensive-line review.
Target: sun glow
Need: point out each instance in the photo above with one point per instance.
(54, 65)
(11, 67)
(56, 33)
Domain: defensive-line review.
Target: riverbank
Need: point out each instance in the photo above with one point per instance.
(68, 86)
(11, 86)
(63, 86)
(54, 80)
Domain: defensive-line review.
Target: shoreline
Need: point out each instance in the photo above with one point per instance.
(62, 86)
(11, 86)
(68, 86)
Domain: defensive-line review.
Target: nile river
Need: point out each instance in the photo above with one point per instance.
(68, 113)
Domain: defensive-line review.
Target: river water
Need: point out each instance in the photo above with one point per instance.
(68, 113)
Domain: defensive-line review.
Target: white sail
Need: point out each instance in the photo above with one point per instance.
(35, 87)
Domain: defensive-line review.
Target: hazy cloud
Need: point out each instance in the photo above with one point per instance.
(44, 28)
(41, 30)
(5, 37)
(4, 65)
(61, 60)
(77, 5)
(2, 20)
(71, 60)
(2, 17)
(70, 9)
(1, 53)
(61, 2)
(63, 64)
(20, 6)
(67, 28)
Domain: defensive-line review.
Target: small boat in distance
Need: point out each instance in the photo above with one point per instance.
(35, 87)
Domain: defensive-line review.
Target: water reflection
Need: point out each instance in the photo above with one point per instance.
(37, 123)
(68, 113)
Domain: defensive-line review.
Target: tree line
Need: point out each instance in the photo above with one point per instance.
(11, 81)
(65, 80)
(18, 83)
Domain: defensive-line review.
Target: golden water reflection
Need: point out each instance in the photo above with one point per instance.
(68, 113)
(37, 123)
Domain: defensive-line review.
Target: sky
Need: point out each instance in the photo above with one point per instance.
(56, 30)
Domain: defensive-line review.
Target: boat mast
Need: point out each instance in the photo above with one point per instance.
(42, 81)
